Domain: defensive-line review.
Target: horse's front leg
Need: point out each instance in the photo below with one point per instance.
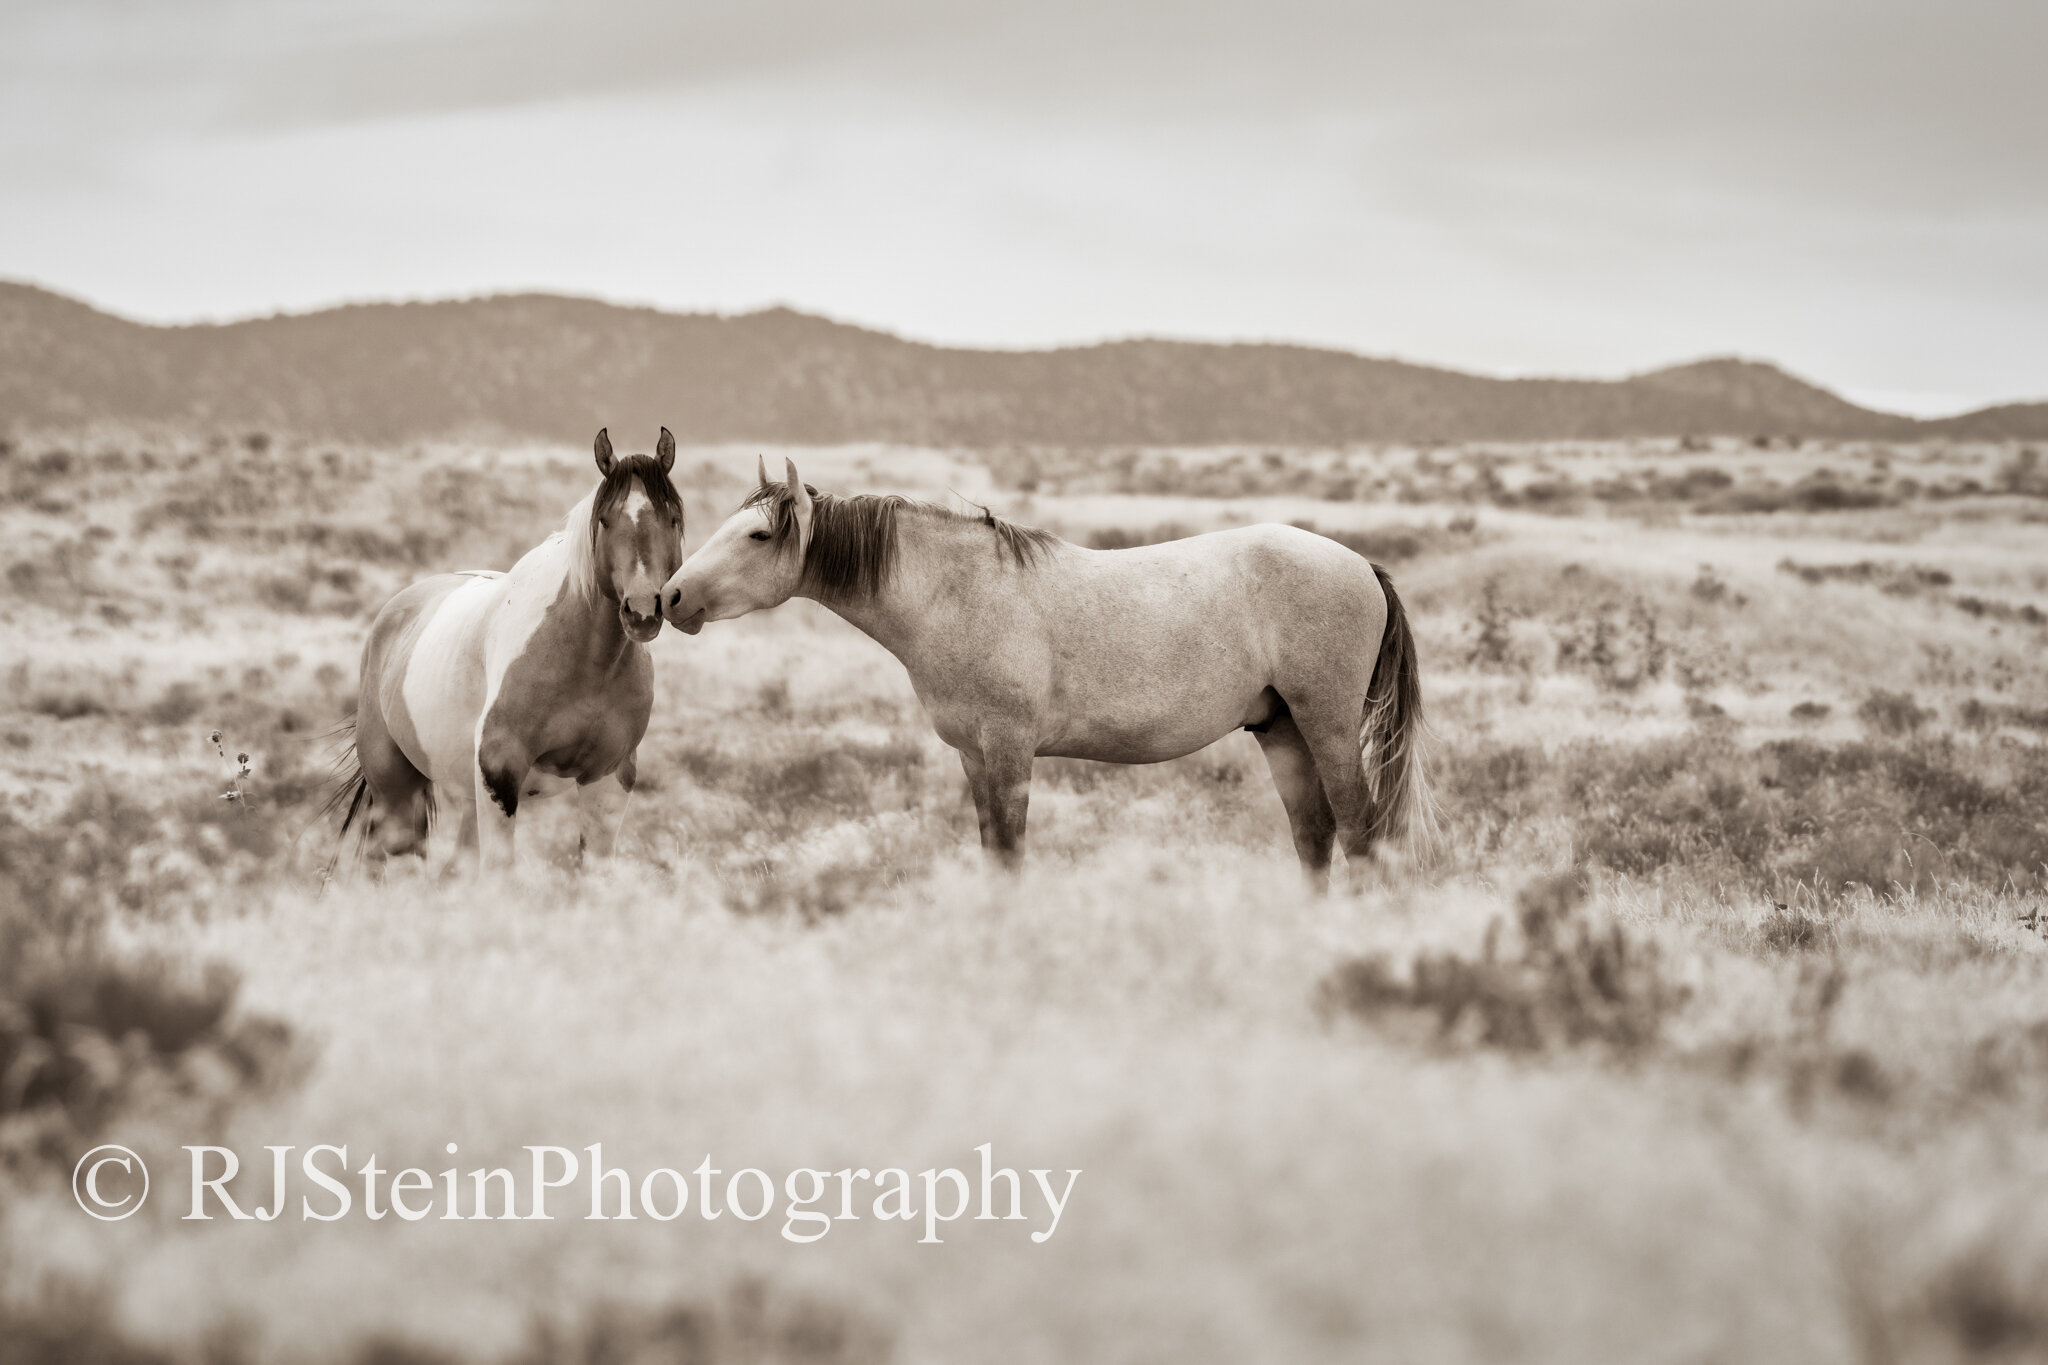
(601, 811)
(977, 787)
(1003, 794)
(502, 764)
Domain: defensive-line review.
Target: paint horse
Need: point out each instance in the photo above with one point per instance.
(1019, 644)
(481, 690)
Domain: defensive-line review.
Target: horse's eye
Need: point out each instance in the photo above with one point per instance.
(758, 535)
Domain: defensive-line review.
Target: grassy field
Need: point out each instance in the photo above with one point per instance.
(1720, 1032)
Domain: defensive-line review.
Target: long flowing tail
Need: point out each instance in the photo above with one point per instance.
(1403, 807)
(350, 795)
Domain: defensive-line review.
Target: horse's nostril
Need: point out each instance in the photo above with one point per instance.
(675, 599)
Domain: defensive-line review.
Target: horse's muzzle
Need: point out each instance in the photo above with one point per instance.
(672, 608)
(639, 629)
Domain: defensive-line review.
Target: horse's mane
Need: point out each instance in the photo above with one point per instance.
(578, 536)
(853, 538)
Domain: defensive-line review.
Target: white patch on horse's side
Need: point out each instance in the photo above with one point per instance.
(443, 687)
(460, 660)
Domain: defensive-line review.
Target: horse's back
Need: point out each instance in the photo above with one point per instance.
(1246, 580)
(1231, 557)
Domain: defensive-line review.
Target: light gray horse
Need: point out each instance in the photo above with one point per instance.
(482, 689)
(1020, 644)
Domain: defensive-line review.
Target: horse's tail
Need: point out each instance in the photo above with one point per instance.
(1403, 807)
(350, 795)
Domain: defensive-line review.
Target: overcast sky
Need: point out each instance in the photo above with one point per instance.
(1857, 189)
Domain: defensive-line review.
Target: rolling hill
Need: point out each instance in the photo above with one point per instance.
(548, 367)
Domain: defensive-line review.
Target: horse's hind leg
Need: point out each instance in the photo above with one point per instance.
(1331, 732)
(399, 801)
(1301, 791)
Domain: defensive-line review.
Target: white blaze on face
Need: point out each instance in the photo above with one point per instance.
(638, 504)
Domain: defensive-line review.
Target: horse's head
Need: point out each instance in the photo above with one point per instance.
(636, 532)
(754, 561)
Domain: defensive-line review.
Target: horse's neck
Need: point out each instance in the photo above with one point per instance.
(590, 617)
(934, 562)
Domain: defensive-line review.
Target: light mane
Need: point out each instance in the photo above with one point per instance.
(577, 541)
(854, 538)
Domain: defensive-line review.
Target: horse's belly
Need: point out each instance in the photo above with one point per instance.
(1150, 733)
(1151, 705)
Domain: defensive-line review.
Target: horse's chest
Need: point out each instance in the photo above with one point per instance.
(589, 747)
(578, 723)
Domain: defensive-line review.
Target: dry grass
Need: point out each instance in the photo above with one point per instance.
(1718, 1034)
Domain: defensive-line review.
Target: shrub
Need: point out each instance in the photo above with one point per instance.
(1620, 651)
(83, 1031)
(1976, 714)
(1793, 810)
(1818, 492)
(67, 1324)
(70, 1020)
(1786, 930)
(2024, 473)
(68, 705)
(1572, 981)
(285, 592)
(1821, 493)
(1491, 640)
(750, 1321)
(175, 705)
(1695, 482)
(2026, 613)
(1892, 713)
(1898, 580)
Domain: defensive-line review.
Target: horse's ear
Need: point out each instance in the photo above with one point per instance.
(665, 451)
(603, 448)
(799, 503)
(761, 469)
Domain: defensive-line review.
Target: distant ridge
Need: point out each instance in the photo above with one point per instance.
(554, 368)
